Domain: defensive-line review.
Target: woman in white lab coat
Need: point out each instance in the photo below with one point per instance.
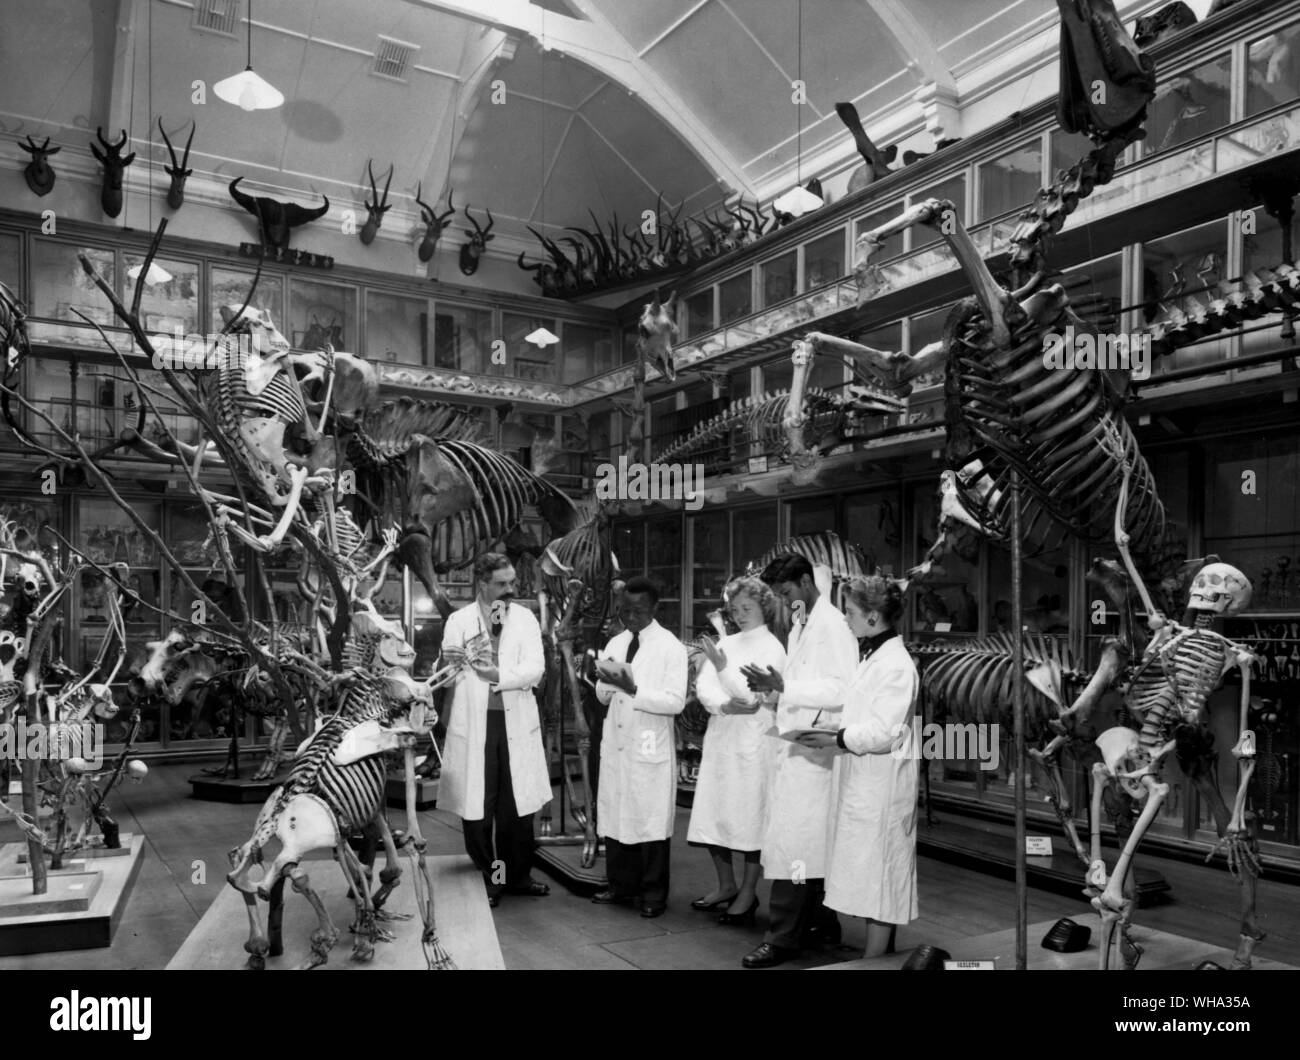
(871, 839)
(729, 812)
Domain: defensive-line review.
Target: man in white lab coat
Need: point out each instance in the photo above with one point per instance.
(637, 797)
(821, 656)
(494, 765)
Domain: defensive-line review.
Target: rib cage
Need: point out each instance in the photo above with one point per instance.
(845, 559)
(760, 416)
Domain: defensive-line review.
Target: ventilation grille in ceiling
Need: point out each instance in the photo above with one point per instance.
(217, 16)
(393, 58)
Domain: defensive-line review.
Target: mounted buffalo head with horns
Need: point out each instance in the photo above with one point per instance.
(276, 218)
(177, 171)
(38, 172)
(376, 206)
(110, 191)
(478, 239)
(434, 223)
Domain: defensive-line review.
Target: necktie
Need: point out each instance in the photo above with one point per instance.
(632, 646)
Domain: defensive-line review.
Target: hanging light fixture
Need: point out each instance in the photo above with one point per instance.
(541, 338)
(247, 90)
(798, 200)
(156, 274)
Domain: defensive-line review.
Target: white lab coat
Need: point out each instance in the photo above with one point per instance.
(520, 665)
(820, 658)
(739, 757)
(638, 749)
(872, 834)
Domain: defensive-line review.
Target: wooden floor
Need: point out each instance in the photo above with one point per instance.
(185, 864)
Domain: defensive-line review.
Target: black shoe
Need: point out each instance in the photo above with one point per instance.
(531, 889)
(652, 911)
(768, 955)
(611, 898)
(745, 919)
(494, 900)
(712, 907)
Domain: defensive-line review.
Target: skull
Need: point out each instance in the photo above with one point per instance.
(1221, 589)
(11, 650)
(29, 580)
(175, 666)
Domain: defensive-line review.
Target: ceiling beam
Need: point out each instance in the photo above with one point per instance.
(915, 45)
(595, 42)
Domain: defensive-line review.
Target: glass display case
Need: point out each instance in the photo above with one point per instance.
(735, 298)
(1273, 70)
(229, 289)
(526, 360)
(62, 290)
(780, 278)
(664, 568)
(321, 313)
(462, 337)
(1009, 181)
(1189, 105)
(588, 351)
(824, 260)
(167, 306)
(710, 567)
(397, 328)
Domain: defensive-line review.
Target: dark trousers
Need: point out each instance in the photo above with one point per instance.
(513, 849)
(638, 868)
(794, 909)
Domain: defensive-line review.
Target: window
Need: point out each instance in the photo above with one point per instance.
(952, 190)
(1273, 70)
(1189, 105)
(230, 287)
(321, 313)
(736, 298)
(778, 375)
(169, 306)
(812, 515)
(872, 521)
(780, 278)
(11, 261)
(60, 286)
(711, 565)
(523, 359)
(1065, 150)
(462, 337)
(699, 313)
(893, 246)
(664, 549)
(950, 603)
(1261, 538)
(588, 351)
(753, 532)
(1095, 289)
(1185, 264)
(823, 260)
(397, 328)
(1011, 180)
(924, 329)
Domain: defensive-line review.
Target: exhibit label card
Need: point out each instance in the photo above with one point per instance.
(1038, 846)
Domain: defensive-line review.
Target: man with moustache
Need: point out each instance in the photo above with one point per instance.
(494, 766)
(821, 657)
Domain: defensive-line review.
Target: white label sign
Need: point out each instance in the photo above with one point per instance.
(1038, 846)
(969, 966)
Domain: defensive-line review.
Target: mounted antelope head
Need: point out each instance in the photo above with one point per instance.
(276, 219)
(110, 191)
(38, 172)
(434, 224)
(177, 171)
(376, 206)
(471, 252)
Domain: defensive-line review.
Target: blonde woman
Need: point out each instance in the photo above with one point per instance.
(729, 813)
(871, 840)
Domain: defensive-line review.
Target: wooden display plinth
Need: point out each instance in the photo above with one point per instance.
(426, 793)
(465, 926)
(1163, 952)
(225, 789)
(560, 857)
(81, 909)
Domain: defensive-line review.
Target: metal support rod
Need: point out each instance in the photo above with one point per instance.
(1018, 707)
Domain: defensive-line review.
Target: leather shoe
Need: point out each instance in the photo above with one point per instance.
(652, 911)
(494, 900)
(705, 906)
(611, 898)
(745, 919)
(768, 955)
(531, 889)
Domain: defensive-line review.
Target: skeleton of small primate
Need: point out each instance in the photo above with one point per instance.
(337, 788)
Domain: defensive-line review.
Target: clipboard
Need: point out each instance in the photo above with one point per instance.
(607, 668)
(793, 734)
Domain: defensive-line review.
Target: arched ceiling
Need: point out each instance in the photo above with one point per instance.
(540, 110)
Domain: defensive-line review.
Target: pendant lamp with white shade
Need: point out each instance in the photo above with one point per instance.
(248, 90)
